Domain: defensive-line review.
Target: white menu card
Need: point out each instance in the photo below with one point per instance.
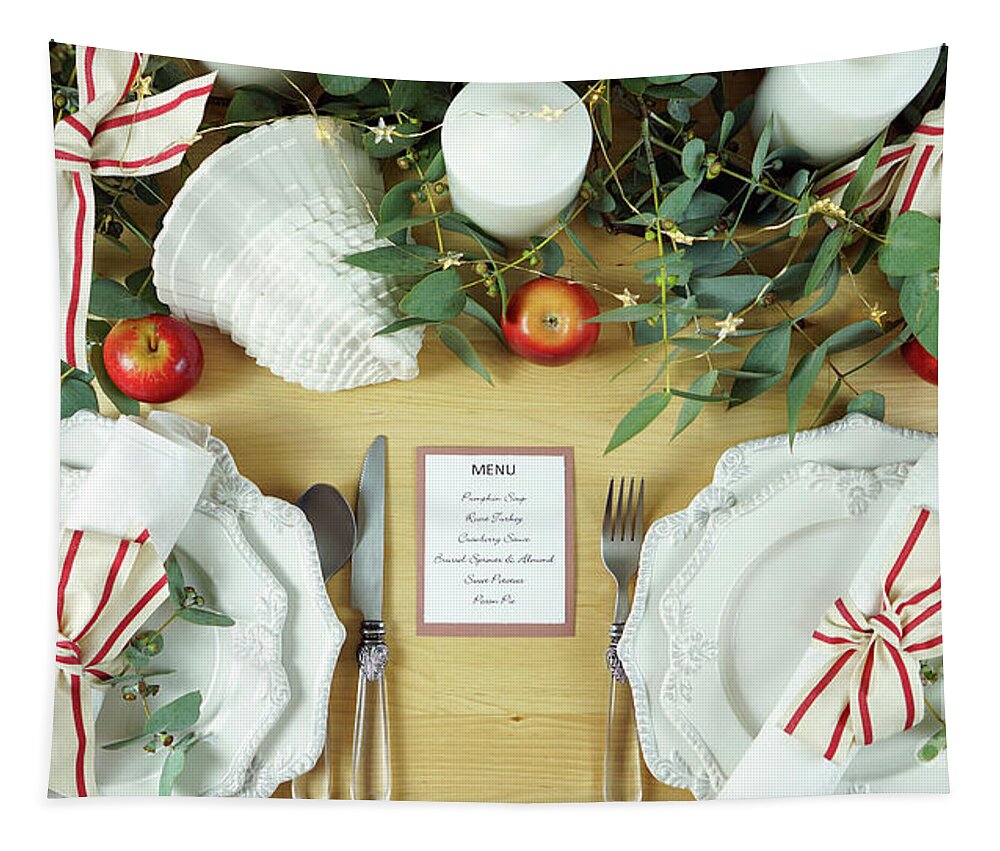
(495, 541)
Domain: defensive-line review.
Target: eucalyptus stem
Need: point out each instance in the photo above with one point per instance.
(662, 277)
(934, 712)
(430, 200)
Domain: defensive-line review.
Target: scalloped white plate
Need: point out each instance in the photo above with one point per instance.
(237, 669)
(312, 637)
(855, 442)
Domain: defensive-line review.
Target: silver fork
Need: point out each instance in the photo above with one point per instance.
(621, 541)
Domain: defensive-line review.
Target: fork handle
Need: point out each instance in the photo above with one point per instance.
(622, 775)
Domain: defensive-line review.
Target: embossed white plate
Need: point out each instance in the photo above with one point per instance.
(312, 637)
(237, 669)
(855, 442)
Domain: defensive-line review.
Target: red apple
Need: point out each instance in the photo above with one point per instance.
(545, 321)
(153, 359)
(921, 361)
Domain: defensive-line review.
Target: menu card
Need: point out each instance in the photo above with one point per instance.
(495, 541)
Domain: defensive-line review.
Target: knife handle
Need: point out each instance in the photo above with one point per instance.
(622, 774)
(370, 765)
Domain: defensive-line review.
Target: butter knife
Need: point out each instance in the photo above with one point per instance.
(370, 764)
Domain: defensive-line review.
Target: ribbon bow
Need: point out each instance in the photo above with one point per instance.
(870, 686)
(908, 175)
(107, 589)
(109, 137)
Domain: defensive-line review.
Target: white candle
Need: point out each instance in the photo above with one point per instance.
(834, 109)
(231, 77)
(515, 154)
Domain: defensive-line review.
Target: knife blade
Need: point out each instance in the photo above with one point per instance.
(367, 563)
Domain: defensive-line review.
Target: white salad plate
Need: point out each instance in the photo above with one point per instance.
(237, 669)
(312, 636)
(663, 643)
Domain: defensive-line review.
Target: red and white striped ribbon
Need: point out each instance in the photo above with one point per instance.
(107, 589)
(870, 686)
(110, 136)
(908, 175)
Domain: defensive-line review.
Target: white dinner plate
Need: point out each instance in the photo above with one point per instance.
(671, 746)
(312, 637)
(237, 669)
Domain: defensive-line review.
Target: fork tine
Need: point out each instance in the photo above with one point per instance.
(618, 511)
(607, 529)
(639, 516)
(629, 517)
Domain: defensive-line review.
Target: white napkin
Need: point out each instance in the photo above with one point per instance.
(149, 477)
(778, 765)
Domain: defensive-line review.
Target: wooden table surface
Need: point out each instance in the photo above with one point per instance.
(504, 719)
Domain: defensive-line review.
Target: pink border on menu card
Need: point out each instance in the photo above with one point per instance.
(504, 630)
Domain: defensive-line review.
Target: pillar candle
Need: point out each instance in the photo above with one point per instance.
(834, 109)
(515, 154)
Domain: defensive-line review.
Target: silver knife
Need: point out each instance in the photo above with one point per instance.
(370, 764)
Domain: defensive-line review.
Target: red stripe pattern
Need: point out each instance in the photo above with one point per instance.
(114, 136)
(869, 688)
(93, 630)
(907, 176)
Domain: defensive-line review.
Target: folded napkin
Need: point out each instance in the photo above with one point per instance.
(149, 477)
(124, 521)
(780, 763)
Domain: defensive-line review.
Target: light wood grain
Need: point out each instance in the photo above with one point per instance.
(479, 719)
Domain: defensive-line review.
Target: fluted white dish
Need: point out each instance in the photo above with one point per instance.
(254, 244)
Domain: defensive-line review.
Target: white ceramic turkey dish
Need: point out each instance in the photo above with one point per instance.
(254, 243)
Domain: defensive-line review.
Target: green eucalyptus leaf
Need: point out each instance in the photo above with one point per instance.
(791, 284)
(177, 715)
(394, 226)
(203, 617)
(933, 746)
(918, 300)
(701, 386)
(455, 340)
(676, 203)
(913, 245)
(474, 309)
(726, 128)
(124, 404)
(769, 355)
(760, 152)
(397, 205)
(438, 297)
(111, 300)
(173, 765)
(628, 313)
(731, 293)
(800, 385)
(828, 400)
(870, 403)
(124, 743)
(250, 105)
(406, 94)
(863, 176)
(400, 324)
(830, 282)
(175, 580)
(637, 85)
(829, 250)
(692, 158)
(458, 223)
(700, 397)
(136, 658)
(436, 170)
(76, 395)
(852, 336)
(579, 244)
(550, 253)
(339, 86)
(396, 260)
(637, 419)
(709, 259)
